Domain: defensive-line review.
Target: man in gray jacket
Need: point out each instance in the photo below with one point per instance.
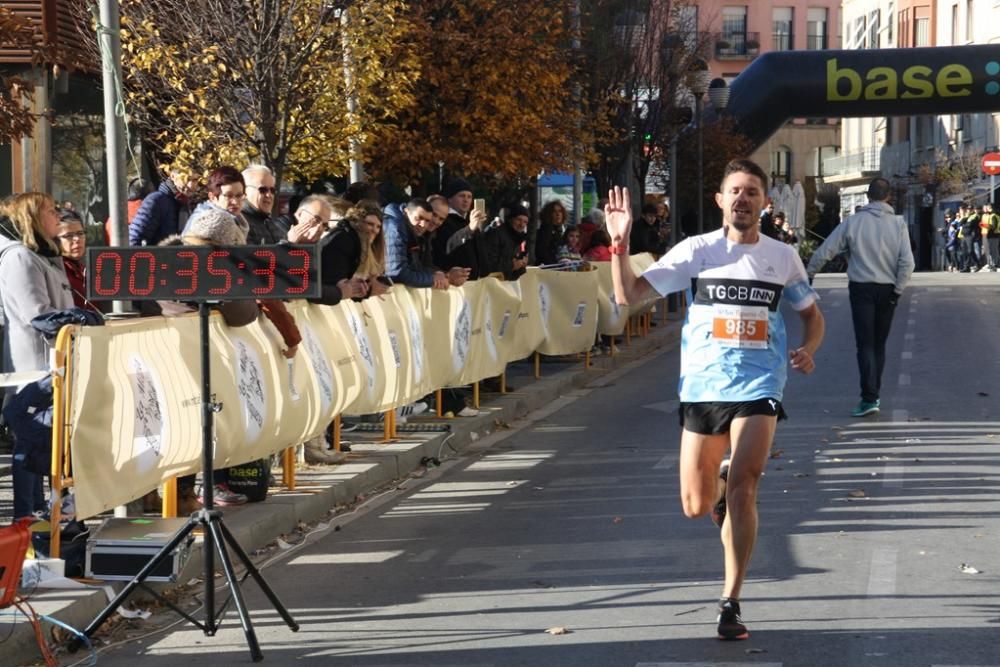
(880, 263)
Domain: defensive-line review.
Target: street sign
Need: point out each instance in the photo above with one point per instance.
(991, 164)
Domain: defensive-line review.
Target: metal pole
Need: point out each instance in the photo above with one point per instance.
(701, 166)
(357, 168)
(675, 231)
(577, 170)
(109, 39)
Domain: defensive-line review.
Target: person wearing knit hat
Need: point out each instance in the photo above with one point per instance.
(504, 246)
(458, 242)
(217, 226)
(456, 186)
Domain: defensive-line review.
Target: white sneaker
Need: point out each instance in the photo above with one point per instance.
(468, 411)
(411, 410)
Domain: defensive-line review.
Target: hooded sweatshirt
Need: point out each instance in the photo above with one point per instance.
(31, 284)
(877, 244)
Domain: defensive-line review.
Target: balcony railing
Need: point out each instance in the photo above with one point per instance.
(783, 41)
(865, 161)
(816, 42)
(737, 45)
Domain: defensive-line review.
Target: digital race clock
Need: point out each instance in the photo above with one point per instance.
(203, 273)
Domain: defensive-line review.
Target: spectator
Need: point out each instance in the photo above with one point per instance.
(785, 232)
(951, 240)
(310, 220)
(600, 247)
(458, 242)
(359, 191)
(165, 211)
(33, 283)
(138, 189)
(767, 226)
(404, 225)
(259, 205)
(226, 191)
(353, 254)
(550, 232)
(569, 251)
(504, 248)
(72, 241)
(645, 236)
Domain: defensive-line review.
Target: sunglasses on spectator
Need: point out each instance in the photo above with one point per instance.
(264, 190)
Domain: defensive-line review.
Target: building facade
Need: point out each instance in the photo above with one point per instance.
(65, 155)
(739, 32)
(931, 160)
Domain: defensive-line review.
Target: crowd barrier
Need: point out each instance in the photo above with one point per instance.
(128, 395)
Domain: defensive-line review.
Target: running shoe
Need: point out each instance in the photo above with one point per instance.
(730, 624)
(468, 411)
(411, 410)
(719, 511)
(865, 408)
(223, 495)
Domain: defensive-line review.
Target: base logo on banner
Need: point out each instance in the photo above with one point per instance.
(150, 431)
(251, 389)
(364, 348)
(463, 332)
(320, 365)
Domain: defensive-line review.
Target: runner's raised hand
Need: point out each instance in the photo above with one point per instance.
(618, 215)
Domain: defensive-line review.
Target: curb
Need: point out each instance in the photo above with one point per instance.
(370, 466)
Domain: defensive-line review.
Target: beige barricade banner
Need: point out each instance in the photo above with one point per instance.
(136, 386)
(493, 308)
(529, 330)
(611, 317)
(568, 304)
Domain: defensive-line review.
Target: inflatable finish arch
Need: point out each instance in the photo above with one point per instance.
(780, 85)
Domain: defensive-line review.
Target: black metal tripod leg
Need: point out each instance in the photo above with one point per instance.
(258, 577)
(139, 578)
(234, 590)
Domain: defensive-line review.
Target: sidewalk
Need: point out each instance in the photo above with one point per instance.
(371, 465)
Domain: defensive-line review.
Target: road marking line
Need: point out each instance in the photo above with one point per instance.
(668, 461)
(909, 336)
(910, 322)
(904, 379)
(706, 664)
(907, 355)
(892, 475)
(882, 576)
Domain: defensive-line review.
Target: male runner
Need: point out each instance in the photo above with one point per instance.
(733, 357)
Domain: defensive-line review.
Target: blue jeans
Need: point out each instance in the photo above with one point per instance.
(29, 492)
(872, 308)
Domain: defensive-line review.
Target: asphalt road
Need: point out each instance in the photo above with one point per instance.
(571, 519)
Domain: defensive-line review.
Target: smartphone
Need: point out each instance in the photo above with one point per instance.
(479, 205)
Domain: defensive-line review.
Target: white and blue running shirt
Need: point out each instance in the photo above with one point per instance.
(733, 344)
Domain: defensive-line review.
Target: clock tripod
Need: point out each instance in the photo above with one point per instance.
(218, 540)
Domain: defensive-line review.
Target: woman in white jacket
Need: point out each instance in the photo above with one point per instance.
(32, 283)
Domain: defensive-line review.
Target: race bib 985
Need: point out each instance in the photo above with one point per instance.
(742, 327)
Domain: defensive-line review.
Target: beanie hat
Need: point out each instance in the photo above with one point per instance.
(515, 210)
(455, 186)
(216, 225)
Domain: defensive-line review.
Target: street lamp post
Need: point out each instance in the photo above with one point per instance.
(698, 81)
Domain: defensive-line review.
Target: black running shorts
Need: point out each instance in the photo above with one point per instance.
(715, 418)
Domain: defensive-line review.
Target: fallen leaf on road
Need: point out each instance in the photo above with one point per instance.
(982, 393)
(801, 474)
(776, 454)
(617, 519)
(558, 630)
(857, 493)
(965, 568)
(750, 651)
